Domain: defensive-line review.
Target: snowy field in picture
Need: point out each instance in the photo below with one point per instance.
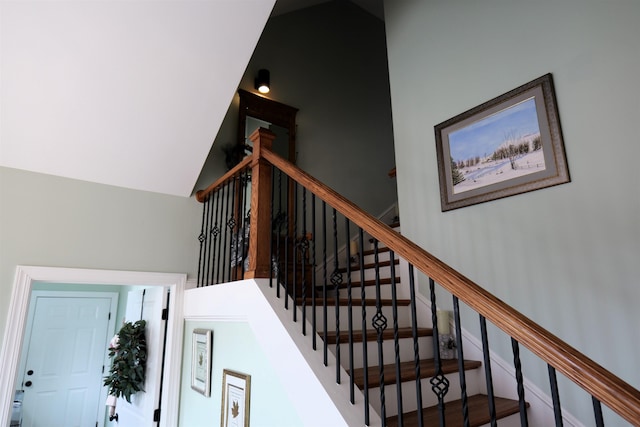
(497, 148)
(494, 171)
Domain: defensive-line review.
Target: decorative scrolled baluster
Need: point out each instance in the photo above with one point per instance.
(439, 382)
(379, 322)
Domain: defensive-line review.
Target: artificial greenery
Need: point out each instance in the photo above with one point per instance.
(129, 360)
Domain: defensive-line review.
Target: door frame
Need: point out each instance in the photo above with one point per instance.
(26, 276)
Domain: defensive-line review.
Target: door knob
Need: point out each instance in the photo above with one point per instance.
(28, 384)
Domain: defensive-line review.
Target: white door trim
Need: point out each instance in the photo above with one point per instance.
(19, 307)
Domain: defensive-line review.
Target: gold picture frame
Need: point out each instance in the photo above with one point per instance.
(236, 399)
(201, 361)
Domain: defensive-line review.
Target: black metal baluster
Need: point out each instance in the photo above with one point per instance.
(365, 355)
(279, 221)
(208, 266)
(286, 248)
(439, 383)
(225, 247)
(294, 249)
(210, 257)
(597, 411)
(352, 398)
(219, 218)
(272, 221)
(336, 281)
(487, 370)
(380, 324)
(396, 337)
(232, 229)
(416, 349)
(463, 378)
(524, 422)
(246, 221)
(235, 231)
(213, 237)
(324, 282)
(202, 238)
(304, 246)
(555, 395)
(313, 269)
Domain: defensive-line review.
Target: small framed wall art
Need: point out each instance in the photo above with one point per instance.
(201, 361)
(236, 399)
(508, 145)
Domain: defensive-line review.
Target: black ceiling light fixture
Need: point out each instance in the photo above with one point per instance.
(262, 82)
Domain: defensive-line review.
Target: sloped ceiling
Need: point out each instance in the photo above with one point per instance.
(128, 93)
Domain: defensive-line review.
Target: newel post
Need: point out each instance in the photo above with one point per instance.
(260, 234)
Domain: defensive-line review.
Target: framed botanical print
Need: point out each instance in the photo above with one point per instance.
(201, 361)
(236, 392)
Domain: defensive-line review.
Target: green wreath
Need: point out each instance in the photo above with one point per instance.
(128, 351)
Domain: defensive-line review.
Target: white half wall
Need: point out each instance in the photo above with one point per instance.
(244, 301)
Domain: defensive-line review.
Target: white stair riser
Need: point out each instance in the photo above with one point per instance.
(369, 274)
(425, 347)
(382, 256)
(370, 292)
(403, 317)
(409, 400)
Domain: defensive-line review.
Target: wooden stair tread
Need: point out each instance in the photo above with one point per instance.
(372, 334)
(478, 412)
(355, 301)
(371, 251)
(408, 371)
(354, 268)
(357, 283)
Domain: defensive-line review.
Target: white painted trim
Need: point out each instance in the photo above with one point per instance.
(19, 306)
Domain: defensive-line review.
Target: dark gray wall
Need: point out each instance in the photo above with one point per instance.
(330, 62)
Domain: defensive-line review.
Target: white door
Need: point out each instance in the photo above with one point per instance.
(140, 412)
(62, 379)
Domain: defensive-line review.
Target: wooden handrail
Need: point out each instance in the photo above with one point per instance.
(611, 390)
(201, 195)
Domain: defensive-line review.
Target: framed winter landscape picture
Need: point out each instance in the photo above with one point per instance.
(509, 145)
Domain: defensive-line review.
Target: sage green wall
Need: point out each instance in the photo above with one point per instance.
(60, 222)
(234, 347)
(330, 62)
(566, 256)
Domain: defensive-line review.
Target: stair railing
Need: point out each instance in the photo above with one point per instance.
(308, 259)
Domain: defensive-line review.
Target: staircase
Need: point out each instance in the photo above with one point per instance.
(400, 377)
(391, 353)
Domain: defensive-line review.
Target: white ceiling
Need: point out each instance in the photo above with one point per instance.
(128, 93)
